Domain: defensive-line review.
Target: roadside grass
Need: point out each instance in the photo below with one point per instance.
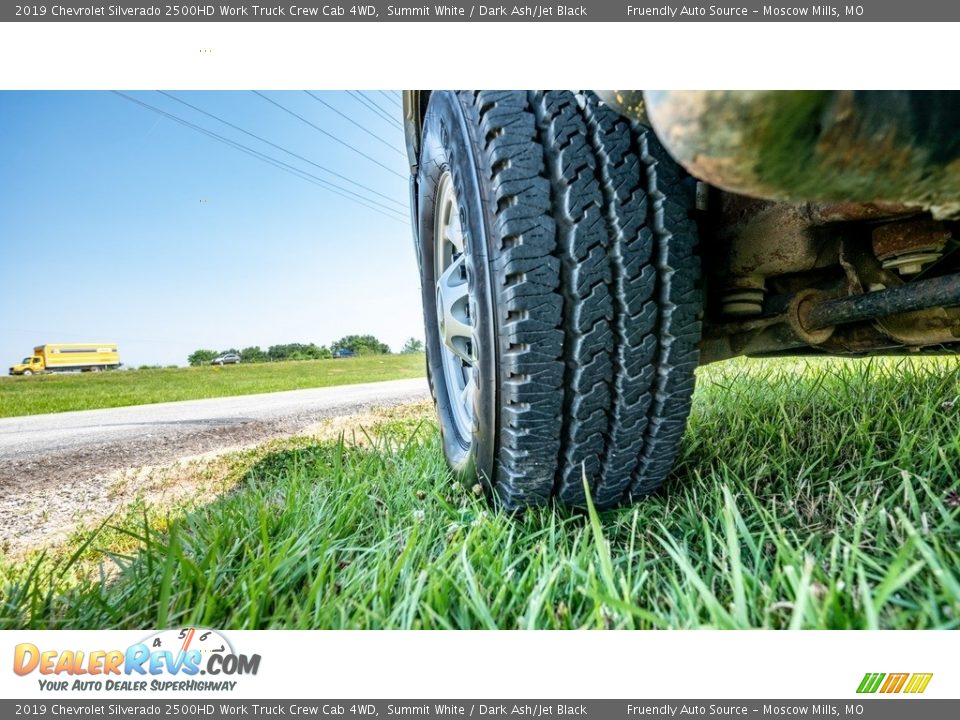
(86, 391)
(809, 494)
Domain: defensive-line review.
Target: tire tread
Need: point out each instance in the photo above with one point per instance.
(594, 254)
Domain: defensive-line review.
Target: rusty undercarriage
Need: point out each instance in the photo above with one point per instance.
(829, 220)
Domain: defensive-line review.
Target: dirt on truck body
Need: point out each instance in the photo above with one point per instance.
(582, 253)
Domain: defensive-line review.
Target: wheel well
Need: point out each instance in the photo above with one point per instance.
(414, 110)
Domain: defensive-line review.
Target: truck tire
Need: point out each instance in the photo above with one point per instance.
(560, 276)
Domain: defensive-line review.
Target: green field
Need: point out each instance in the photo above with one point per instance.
(86, 391)
(808, 495)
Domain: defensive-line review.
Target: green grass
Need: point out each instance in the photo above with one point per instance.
(86, 391)
(808, 495)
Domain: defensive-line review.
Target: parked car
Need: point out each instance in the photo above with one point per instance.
(226, 359)
(343, 353)
(581, 254)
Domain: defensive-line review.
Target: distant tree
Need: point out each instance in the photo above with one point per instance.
(278, 352)
(361, 345)
(201, 357)
(307, 352)
(412, 345)
(253, 355)
(282, 352)
(297, 351)
(275, 353)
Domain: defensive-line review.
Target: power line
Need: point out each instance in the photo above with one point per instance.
(343, 192)
(373, 108)
(387, 115)
(369, 96)
(351, 120)
(391, 98)
(283, 149)
(279, 164)
(330, 135)
(272, 160)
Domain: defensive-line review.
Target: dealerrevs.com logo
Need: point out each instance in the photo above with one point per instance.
(168, 660)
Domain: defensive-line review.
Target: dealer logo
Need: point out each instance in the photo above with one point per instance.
(908, 683)
(182, 653)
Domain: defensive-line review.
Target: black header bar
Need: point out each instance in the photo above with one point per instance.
(460, 11)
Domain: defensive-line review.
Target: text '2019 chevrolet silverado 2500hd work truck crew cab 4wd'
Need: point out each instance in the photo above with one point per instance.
(582, 253)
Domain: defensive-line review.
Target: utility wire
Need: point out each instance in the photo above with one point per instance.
(391, 98)
(280, 164)
(372, 99)
(330, 135)
(287, 165)
(374, 109)
(283, 149)
(367, 105)
(351, 120)
(297, 172)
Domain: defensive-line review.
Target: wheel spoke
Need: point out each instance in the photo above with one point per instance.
(452, 231)
(467, 393)
(452, 307)
(454, 321)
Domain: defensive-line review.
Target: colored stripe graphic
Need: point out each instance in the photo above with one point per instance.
(894, 683)
(870, 682)
(918, 682)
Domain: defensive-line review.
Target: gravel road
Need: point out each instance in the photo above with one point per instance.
(48, 448)
(65, 471)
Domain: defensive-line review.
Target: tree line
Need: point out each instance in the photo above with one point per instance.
(356, 344)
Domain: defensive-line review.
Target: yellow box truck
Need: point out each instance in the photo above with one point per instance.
(69, 357)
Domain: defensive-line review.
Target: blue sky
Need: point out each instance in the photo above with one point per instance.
(118, 224)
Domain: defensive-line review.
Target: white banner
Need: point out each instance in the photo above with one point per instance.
(398, 664)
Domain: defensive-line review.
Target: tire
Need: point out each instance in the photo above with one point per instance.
(578, 335)
(28, 372)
